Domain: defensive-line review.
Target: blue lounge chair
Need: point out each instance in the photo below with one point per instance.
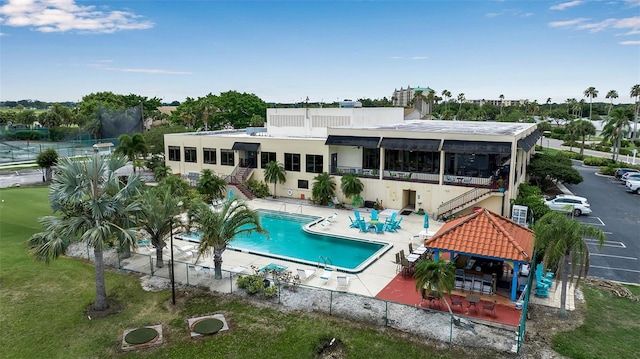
(394, 226)
(354, 224)
(540, 278)
(358, 218)
(364, 227)
(380, 227)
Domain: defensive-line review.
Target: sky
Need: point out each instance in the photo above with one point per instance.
(286, 51)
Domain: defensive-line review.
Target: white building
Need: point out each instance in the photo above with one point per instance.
(443, 167)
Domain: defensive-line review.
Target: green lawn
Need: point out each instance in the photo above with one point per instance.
(41, 313)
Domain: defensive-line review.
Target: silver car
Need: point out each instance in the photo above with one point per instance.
(569, 204)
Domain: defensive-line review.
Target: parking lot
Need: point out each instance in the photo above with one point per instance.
(617, 213)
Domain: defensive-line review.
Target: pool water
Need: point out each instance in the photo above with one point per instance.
(289, 240)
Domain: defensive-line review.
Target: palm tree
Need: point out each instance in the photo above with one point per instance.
(591, 93)
(431, 98)
(611, 94)
(438, 276)
(560, 241)
(501, 97)
(583, 128)
(549, 103)
(351, 185)
(158, 205)
(132, 147)
(460, 100)
(275, 172)
(323, 188)
(614, 129)
(447, 95)
(210, 185)
(635, 92)
(92, 202)
(221, 227)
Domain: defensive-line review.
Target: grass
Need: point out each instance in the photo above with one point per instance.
(610, 330)
(49, 300)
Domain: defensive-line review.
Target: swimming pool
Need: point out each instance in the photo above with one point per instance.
(290, 239)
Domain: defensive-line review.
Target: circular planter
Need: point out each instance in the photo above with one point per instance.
(208, 326)
(141, 336)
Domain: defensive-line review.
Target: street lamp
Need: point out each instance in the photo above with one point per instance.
(173, 280)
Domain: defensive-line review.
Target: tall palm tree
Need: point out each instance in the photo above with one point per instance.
(92, 202)
(210, 185)
(275, 172)
(132, 147)
(158, 205)
(612, 94)
(581, 107)
(447, 95)
(560, 241)
(614, 129)
(438, 276)
(323, 188)
(460, 100)
(635, 92)
(351, 185)
(549, 103)
(221, 227)
(501, 97)
(591, 93)
(583, 128)
(431, 98)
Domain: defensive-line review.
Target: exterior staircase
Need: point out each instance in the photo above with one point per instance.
(237, 179)
(464, 201)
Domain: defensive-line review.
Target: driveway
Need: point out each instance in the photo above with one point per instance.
(617, 213)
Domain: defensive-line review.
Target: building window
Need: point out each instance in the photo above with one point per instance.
(209, 156)
(292, 162)
(174, 153)
(190, 154)
(314, 163)
(227, 158)
(371, 158)
(266, 157)
(303, 184)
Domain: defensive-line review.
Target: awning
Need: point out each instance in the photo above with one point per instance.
(411, 144)
(529, 142)
(365, 142)
(245, 146)
(457, 146)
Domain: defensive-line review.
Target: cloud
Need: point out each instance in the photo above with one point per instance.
(632, 3)
(509, 12)
(153, 71)
(64, 16)
(630, 42)
(396, 57)
(419, 58)
(2, 34)
(566, 5)
(597, 26)
(567, 23)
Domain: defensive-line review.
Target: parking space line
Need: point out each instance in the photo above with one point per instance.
(614, 256)
(624, 269)
(606, 244)
(599, 222)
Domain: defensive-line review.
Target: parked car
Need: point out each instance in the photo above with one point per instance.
(621, 171)
(633, 186)
(630, 176)
(569, 204)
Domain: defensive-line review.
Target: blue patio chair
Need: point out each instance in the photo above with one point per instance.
(380, 227)
(394, 226)
(391, 219)
(542, 292)
(358, 217)
(374, 215)
(354, 224)
(364, 227)
(541, 280)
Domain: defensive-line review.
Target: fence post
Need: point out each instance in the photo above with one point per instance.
(151, 265)
(330, 301)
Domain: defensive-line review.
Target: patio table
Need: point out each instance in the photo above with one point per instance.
(413, 257)
(473, 300)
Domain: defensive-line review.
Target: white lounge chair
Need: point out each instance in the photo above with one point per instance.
(343, 282)
(238, 270)
(305, 274)
(185, 254)
(206, 272)
(326, 275)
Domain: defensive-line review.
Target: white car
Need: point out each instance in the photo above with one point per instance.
(569, 204)
(633, 186)
(630, 176)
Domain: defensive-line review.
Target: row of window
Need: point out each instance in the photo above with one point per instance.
(313, 163)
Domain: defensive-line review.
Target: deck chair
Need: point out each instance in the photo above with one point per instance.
(305, 274)
(380, 228)
(206, 272)
(354, 224)
(490, 307)
(410, 247)
(391, 219)
(374, 215)
(364, 227)
(185, 254)
(343, 282)
(457, 300)
(326, 275)
(398, 262)
(540, 276)
(459, 279)
(358, 217)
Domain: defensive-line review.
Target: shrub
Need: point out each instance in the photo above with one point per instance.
(571, 155)
(252, 283)
(625, 152)
(609, 171)
(624, 143)
(596, 161)
(636, 142)
(257, 188)
(571, 143)
(601, 148)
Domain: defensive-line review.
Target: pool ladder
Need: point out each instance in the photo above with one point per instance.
(324, 260)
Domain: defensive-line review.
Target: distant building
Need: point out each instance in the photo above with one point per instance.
(404, 97)
(350, 104)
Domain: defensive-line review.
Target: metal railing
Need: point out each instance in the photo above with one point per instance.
(463, 199)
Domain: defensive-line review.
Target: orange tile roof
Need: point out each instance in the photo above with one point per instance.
(485, 233)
